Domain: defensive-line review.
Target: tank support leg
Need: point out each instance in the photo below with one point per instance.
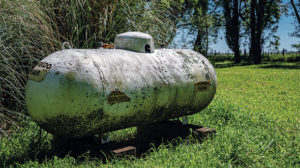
(105, 138)
(185, 120)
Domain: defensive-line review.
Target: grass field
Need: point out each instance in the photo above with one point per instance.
(256, 113)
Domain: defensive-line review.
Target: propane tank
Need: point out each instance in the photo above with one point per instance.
(75, 93)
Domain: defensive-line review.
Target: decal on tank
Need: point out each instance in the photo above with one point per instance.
(40, 71)
(202, 86)
(117, 96)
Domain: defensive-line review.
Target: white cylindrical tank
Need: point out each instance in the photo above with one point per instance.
(80, 92)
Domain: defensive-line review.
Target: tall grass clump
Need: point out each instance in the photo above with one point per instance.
(84, 23)
(32, 29)
(26, 36)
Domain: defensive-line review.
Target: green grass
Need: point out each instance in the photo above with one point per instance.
(256, 112)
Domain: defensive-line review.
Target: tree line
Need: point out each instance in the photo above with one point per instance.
(254, 21)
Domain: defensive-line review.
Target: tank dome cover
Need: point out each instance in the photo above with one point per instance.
(135, 41)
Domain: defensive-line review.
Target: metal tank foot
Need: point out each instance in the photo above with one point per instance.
(105, 138)
(185, 120)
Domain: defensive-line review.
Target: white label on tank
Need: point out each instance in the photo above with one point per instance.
(39, 71)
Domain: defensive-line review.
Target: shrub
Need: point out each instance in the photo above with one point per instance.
(293, 58)
(26, 36)
(220, 58)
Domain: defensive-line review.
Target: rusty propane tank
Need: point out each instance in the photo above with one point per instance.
(75, 93)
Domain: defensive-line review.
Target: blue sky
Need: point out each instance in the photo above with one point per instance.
(285, 27)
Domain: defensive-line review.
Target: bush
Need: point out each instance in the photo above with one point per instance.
(293, 58)
(277, 59)
(26, 37)
(220, 58)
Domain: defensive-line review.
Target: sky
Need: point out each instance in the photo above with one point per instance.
(285, 27)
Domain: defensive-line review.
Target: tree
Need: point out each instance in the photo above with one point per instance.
(232, 27)
(200, 23)
(296, 11)
(296, 46)
(296, 33)
(264, 14)
(274, 44)
(202, 19)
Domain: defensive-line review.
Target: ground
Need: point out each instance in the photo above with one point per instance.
(256, 113)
